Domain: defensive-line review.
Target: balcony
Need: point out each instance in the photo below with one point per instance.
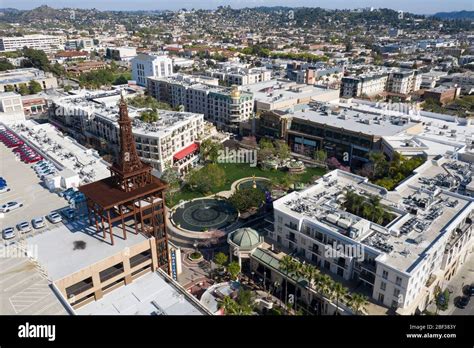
(367, 277)
(371, 267)
(292, 226)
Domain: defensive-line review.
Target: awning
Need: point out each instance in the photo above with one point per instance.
(186, 151)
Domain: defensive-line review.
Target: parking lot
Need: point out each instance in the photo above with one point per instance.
(27, 188)
(24, 289)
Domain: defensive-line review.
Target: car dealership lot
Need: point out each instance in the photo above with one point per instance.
(27, 188)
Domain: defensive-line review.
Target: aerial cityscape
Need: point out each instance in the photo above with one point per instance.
(236, 161)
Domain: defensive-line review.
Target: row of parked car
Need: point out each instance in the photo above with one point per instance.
(38, 223)
(9, 138)
(73, 196)
(44, 167)
(27, 154)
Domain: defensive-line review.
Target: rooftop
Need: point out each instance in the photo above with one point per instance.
(424, 206)
(64, 150)
(21, 75)
(355, 119)
(151, 294)
(58, 254)
(282, 90)
(104, 104)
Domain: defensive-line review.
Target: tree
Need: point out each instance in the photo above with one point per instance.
(234, 269)
(358, 302)
(221, 259)
(36, 58)
(6, 65)
(339, 291)
(320, 155)
(282, 150)
(149, 116)
(172, 177)
(209, 150)
(207, 178)
(121, 80)
(228, 305)
(23, 89)
(287, 265)
(379, 163)
(442, 300)
(247, 198)
(34, 87)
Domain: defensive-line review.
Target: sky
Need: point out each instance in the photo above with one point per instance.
(414, 6)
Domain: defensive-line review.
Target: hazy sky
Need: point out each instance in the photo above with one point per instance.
(416, 6)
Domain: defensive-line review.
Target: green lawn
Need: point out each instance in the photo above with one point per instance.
(236, 171)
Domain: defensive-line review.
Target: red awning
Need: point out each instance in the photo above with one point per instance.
(186, 151)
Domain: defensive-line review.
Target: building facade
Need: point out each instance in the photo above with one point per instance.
(224, 107)
(146, 65)
(47, 43)
(401, 261)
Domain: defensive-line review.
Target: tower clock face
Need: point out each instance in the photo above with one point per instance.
(126, 156)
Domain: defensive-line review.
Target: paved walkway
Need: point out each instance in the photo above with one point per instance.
(465, 276)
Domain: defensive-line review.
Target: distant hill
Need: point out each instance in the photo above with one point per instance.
(455, 15)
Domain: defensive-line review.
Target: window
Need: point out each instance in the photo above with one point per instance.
(383, 286)
(381, 297)
(396, 292)
(398, 281)
(384, 274)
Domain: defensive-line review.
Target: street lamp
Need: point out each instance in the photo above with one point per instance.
(252, 273)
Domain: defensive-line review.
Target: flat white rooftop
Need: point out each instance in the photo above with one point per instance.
(64, 150)
(144, 296)
(60, 253)
(425, 205)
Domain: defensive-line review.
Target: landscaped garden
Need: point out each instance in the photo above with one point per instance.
(232, 172)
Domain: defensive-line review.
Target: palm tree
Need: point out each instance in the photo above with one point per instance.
(358, 302)
(377, 158)
(287, 266)
(228, 305)
(299, 272)
(326, 284)
(339, 291)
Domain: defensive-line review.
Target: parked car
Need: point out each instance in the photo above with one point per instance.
(4, 188)
(10, 206)
(24, 227)
(8, 233)
(66, 193)
(68, 213)
(54, 217)
(38, 222)
(470, 290)
(463, 302)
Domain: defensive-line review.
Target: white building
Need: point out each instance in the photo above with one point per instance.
(47, 43)
(225, 107)
(121, 53)
(146, 65)
(171, 142)
(400, 81)
(403, 258)
(13, 79)
(11, 108)
(404, 82)
(369, 85)
(237, 75)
